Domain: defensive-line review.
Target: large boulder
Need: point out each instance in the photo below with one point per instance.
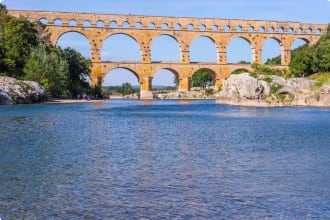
(243, 87)
(268, 90)
(13, 91)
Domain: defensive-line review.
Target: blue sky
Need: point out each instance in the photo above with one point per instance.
(307, 11)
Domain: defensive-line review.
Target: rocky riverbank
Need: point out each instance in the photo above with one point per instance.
(13, 91)
(272, 91)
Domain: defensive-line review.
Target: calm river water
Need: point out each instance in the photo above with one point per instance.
(128, 159)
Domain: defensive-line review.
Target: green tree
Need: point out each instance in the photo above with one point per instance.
(17, 37)
(321, 53)
(79, 68)
(274, 61)
(46, 66)
(201, 78)
(301, 61)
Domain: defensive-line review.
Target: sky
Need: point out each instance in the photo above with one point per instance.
(306, 11)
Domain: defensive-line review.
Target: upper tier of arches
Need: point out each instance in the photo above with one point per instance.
(170, 23)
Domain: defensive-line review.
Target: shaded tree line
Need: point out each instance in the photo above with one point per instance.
(125, 89)
(26, 53)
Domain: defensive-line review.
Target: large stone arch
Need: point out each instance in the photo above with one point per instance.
(132, 37)
(247, 40)
(109, 69)
(77, 41)
(156, 36)
(280, 42)
(294, 39)
(175, 72)
(160, 72)
(56, 35)
(209, 37)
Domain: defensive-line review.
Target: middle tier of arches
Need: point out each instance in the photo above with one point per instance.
(183, 43)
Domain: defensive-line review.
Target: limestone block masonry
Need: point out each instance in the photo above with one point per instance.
(144, 29)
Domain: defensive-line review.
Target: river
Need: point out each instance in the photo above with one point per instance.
(131, 159)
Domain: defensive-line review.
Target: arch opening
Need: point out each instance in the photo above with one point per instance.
(86, 23)
(43, 21)
(120, 48)
(57, 22)
(215, 28)
(120, 82)
(138, 25)
(113, 24)
(165, 48)
(203, 49)
(239, 29)
(240, 71)
(239, 51)
(190, 27)
(298, 43)
(164, 80)
(164, 26)
(151, 25)
(203, 79)
(177, 27)
(77, 41)
(72, 22)
(271, 52)
(99, 23)
(125, 24)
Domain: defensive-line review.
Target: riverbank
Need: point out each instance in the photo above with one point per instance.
(13, 91)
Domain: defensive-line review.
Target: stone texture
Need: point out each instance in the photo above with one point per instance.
(245, 90)
(14, 91)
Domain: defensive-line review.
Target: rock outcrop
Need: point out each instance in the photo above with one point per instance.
(245, 90)
(13, 91)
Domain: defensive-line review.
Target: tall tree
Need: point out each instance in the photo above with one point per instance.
(301, 62)
(201, 78)
(48, 67)
(17, 37)
(79, 68)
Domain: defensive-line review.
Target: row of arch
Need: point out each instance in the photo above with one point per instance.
(190, 27)
(165, 48)
(163, 77)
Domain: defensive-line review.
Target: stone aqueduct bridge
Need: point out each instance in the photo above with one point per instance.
(144, 29)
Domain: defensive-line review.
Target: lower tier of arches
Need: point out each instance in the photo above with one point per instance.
(183, 72)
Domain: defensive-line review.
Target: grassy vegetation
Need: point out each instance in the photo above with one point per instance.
(275, 88)
(320, 78)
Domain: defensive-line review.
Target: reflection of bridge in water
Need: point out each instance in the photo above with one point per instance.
(144, 29)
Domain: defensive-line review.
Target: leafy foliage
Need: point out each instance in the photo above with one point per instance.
(124, 89)
(307, 60)
(17, 37)
(320, 78)
(201, 78)
(79, 68)
(266, 70)
(301, 61)
(274, 61)
(26, 52)
(49, 68)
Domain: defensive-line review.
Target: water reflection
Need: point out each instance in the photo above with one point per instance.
(164, 159)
